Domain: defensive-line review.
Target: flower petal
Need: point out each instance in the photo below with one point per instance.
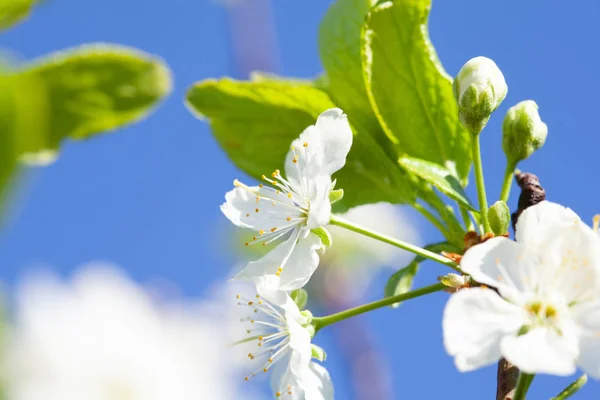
(475, 321)
(587, 317)
(302, 263)
(537, 221)
(319, 213)
(269, 263)
(504, 264)
(336, 139)
(300, 345)
(317, 383)
(542, 350)
(320, 150)
(252, 207)
(283, 382)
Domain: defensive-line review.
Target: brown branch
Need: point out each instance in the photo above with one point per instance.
(531, 194)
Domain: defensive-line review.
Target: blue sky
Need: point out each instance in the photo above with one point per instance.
(147, 197)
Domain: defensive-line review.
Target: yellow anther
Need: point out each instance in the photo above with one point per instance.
(290, 195)
(260, 302)
(246, 244)
(278, 394)
(534, 308)
(250, 356)
(260, 338)
(277, 192)
(293, 148)
(247, 214)
(256, 310)
(260, 185)
(263, 177)
(250, 303)
(253, 237)
(251, 321)
(264, 244)
(273, 229)
(246, 378)
(256, 210)
(305, 144)
(261, 232)
(237, 296)
(270, 360)
(273, 204)
(288, 219)
(550, 312)
(259, 344)
(258, 199)
(265, 369)
(596, 222)
(258, 296)
(236, 183)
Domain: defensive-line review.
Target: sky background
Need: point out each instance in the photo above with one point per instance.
(147, 197)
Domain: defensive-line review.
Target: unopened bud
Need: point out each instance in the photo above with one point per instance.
(499, 216)
(454, 281)
(523, 131)
(479, 88)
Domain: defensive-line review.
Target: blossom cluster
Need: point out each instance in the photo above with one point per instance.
(288, 214)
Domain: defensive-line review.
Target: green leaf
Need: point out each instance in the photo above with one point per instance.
(439, 177)
(300, 297)
(73, 95)
(402, 280)
(317, 352)
(255, 122)
(14, 11)
(339, 46)
(572, 388)
(409, 89)
(499, 217)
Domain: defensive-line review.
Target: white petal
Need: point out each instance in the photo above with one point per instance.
(587, 316)
(283, 381)
(336, 137)
(302, 263)
(317, 383)
(321, 149)
(241, 207)
(269, 263)
(320, 206)
(475, 320)
(542, 350)
(301, 350)
(504, 264)
(536, 221)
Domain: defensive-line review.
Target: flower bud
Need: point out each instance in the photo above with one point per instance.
(479, 88)
(523, 131)
(499, 217)
(453, 280)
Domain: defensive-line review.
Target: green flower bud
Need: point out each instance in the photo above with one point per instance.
(523, 131)
(499, 216)
(479, 88)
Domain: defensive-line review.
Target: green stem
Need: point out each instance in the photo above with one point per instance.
(523, 384)
(321, 322)
(431, 218)
(508, 179)
(478, 169)
(336, 220)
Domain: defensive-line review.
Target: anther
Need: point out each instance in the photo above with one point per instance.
(288, 219)
(305, 144)
(273, 229)
(246, 378)
(237, 183)
(260, 185)
(596, 222)
(261, 232)
(250, 303)
(265, 369)
(256, 210)
(263, 177)
(247, 214)
(278, 394)
(247, 244)
(237, 296)
(290, 195)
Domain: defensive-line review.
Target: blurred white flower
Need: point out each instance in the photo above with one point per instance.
(100, 337)
(547, 316)
(291, 208)
(356, 259)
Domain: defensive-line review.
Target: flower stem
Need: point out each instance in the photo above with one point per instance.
(478, 170)
(335, 220)
(466, 219)
(321, 322)
(508, 178)
(523, 384)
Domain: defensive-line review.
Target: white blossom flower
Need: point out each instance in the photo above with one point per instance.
(100, 337)
(546, 318)
(288, 209)
(283, 343)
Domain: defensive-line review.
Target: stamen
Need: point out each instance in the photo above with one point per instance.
(596, 222)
